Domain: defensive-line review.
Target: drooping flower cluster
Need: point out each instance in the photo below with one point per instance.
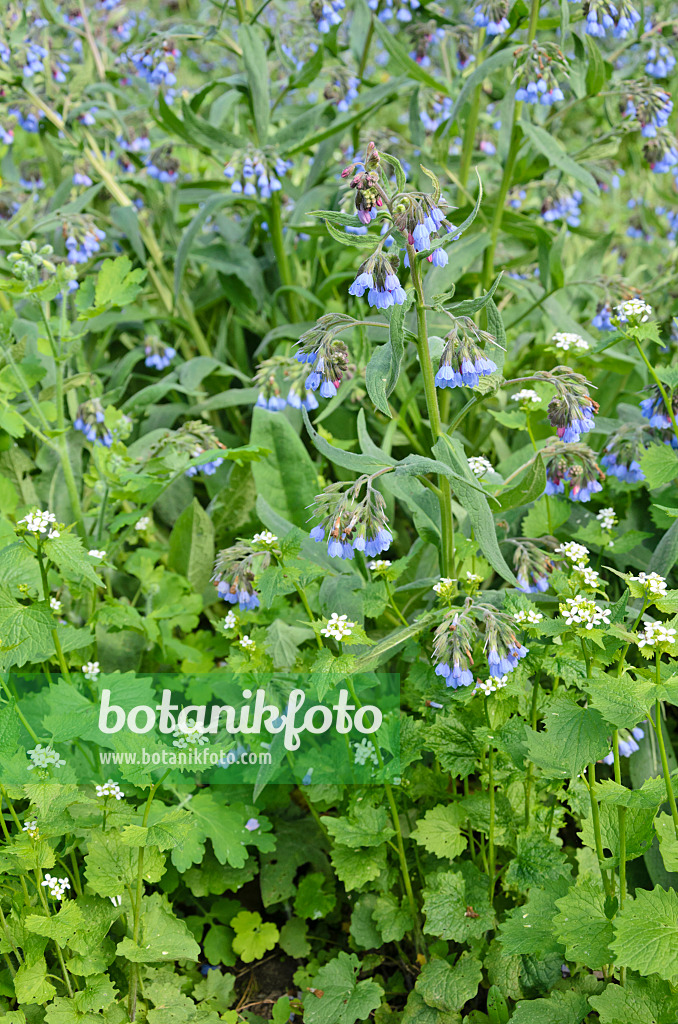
(326, 14)
(562, 204)
(158, 355)
(155, 66)
(234, 571)
(582, 611)
(604, 17)
(193, 438)
(492, 16)
(624, 449)
(82, 240)
(351, 523)
(325, 354)
(660, 62)
(90, 421)
(338, 627)
(401, 10)
(627, 743)
(255, 173)
(162, 166)
(661, 152)
(603, 318)
(654, 409)
(452, 649)
(109, 789)
(573, 465)
(571, 410)
(502, 647)
(56, 887)
(650, 105)
(532, 567)
(538, 68)
(463, 362)
(40, 522)
(44, 757)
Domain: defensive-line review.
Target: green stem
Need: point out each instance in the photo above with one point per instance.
(621, 818)
(55, 635)
(469, 138)
(445, 498)
(491, 852)
(657, 723)
(533, 722)
(278, 240)
(60, 958)
(595, 816)
(667, 401)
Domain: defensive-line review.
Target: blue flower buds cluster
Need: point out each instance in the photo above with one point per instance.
(270, 396)
(156, 67)
(571, 410)
(158, 355)
(502, 647)
(162, 166)
(537, 78)
(577, 467)
(463, 362)
(563, 205)
(452, 650)
(492, 16)
(532, 567)
(401, 10)
(378, 278)
(660, 62)
(255, 174)
(351, 523)
(650, 105)
(623, 451)
(234, 571)
(606, 18)
(83, 241)
(627, 743)
(90, 422)
(326, 14)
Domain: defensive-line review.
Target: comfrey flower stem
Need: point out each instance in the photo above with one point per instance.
(404, 869)
(491, 852)
(667, 402)
(281, 257)
(511, 157)
(546, 497)
(445, 498)
(657, 723)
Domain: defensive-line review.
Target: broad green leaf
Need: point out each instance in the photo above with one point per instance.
(365, 826)
(573, 738)
(163, 936)
(170, 831)
(528, 928)
(659, 463)
(287, 476)
(69, 556)
(456, 904)
(253, 937)
(393, 919)
(446, 987)
(558, 1008)
(61, 926)
(583, 926)
(548, 144)
(639, 1001)
(646, 934)
(337, 997)
(256, 67)
(191, 546)
(529, 488)
(31, 984)
(117, 284)
(439, 831)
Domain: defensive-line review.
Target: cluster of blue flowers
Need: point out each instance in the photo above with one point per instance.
(158, 356)
(344, 546)
(492, 17)
(652, 109)
(254, 177)
(654, 410)
(603, 318)
(401, 10)
(540, 91)
(245, 597)
(503, 662)
(156, 67)
(327, 14)
(563, 205)
(660, 62)
(34, 58)
(463, 362)
(628, 472)
(90, 422)
(627, 744)
(208, 468)
(606, 18)
(82, 245)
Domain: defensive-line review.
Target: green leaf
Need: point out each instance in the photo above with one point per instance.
(293, 938)
(529, 928)
(646, 934)
(191, 546)
(668, 843)
(383, 369)
(365, 826)
(31, 984)
(574, 737)
(111, 865)
(223, 825)
(439, 831)
(337, 997)
(547, 144)
(166, 833)
(449, 988)
(402, 58)
(348, 460)
(26, 631)
(287, 476)
(583, 926)
(117, 284)
(659, 463)
(558, 1008)
(348, 238)
(536, 522)
(69, 556)
(393, 919)
(456, 905)
(356, 867)
(622, 700)
(639, 1001)
(253, 937)
(189, 235)
(163, 937)
(256, 68)
(61, 926)
(529, 488)
(312, 900)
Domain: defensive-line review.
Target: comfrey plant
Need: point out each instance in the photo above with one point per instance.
(352, 523)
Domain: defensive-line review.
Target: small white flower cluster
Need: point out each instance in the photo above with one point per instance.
(575, 553)
(56, 886)
(479, 465)
(581, 611)
(338, 626)
(91, 670)
(654, 584)
(444, 586)
(656, 633)
(491, 685)
(607, 518)
(44, 757)
(230, 622)
(189, 736)
(141, 524)
(365, 751)
(633, 309)
(95, 553)
(530, 617)
(32, 828)
(247, 643)
(266, 537)
(379, 565)
(55, 604)
(567, 341)
(527, 397)
(473, 577)
(39, 522)
(590, 576)
(110, 788)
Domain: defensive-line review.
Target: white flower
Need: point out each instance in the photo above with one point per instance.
(472, 577)
(266, 538)
(365, 751)
(38, 522)
(607, 518)
(189, 735)
(567, 341)
(444, 585)
(96, 554)
(247, 643)
(528, 396)
(633, 309)
(656, 633)
(110, 788)
(32, 828)
(56, 886)
(44, 757)
(575, 553)
(591, 576)
(491, 685)
(338, 626)
(379, 565)
(141, 524)
(531, 617)
(479, 465)
(91, 670)
(53, 534)
(230, 622)
(116, 900)
(581, 611)
(654, 584)
(55, 604)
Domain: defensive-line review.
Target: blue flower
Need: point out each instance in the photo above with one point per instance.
(244, 596)
(158, 356)
(660, 62)
(462, 362)
(90, 422)
(602, 320)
